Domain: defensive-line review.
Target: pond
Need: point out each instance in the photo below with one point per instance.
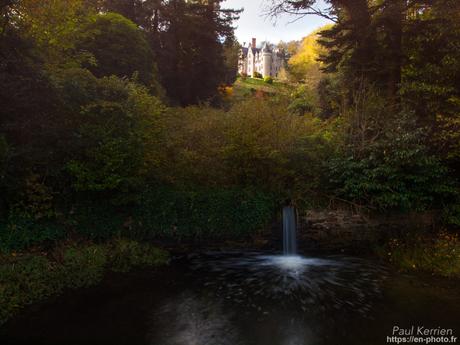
(247, 298)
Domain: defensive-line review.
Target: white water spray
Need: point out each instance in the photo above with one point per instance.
(289, 231)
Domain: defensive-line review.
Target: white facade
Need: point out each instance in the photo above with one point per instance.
(267, 61)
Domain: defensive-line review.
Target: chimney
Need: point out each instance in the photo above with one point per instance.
(253, 45)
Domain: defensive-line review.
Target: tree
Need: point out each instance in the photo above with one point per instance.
(191, 55)
(290, 48)
(27, 115)
(109, 121)
(53, 25)
(365, 41)
(304, 64)
(393, 172)
(119, 48)
(192, 42)
(230, 52)
(431, 74)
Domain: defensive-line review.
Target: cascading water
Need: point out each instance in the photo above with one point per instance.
(289, 231)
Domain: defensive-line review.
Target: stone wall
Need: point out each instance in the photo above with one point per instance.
(345, 229)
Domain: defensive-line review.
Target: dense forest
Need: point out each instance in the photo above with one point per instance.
(123, 123)
(119, 117)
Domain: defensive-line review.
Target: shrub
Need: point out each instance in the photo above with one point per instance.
(303, 101)
(125, 254)
(110, 124)
(451, 214)
(83, 266)
(268, 80)
(126, 51)
(28, 278)
(202, 214)
(396, 171)
(24, 280)
(21, 230)
(438, 254)
(257, 75)
(97, 221)
(253, 145)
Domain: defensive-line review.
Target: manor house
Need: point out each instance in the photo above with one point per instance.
(266, 61)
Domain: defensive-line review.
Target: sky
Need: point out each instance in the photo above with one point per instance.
(253, 23)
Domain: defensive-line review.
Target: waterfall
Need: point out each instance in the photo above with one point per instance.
(289, 231)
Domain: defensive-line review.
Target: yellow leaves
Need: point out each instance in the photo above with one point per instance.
(53, 24)
(226, 91)
(304, 64)
(308, 52)
(255, 141)
(437, 253)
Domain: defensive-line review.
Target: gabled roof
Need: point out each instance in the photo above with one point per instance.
(245, 50)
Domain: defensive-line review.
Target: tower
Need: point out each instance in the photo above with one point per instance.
(267, 61)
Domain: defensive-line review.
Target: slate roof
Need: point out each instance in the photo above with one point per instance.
(266, 47)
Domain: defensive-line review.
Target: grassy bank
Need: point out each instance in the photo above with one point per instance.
(246, 87)
(32, 276)
(437, 254)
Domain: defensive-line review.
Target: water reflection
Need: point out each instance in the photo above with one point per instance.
(297, 333)
(266, 299)
(192, 319)
(241, 299)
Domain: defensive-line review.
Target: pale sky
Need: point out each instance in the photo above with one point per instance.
(253, 23)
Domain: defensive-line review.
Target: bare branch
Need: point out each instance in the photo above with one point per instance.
(300, 8)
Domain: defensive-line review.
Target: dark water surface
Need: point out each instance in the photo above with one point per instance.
(243, 299)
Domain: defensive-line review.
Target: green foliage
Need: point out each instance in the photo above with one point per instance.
(97, 221)
(255, 144)
(432, 74)
(231, 54)
(21, 230)
(24, 280)
(194, 44)
(202, 214)
(119, 48)
(82, 267)
(28, 278)
(110, 124)
(437, 254)
(268, 80)
(394, 172)
(79, 121)
(111, 158)
(125, 254)
(451, 214)
(54, 26)
(303, 101)
(31, 221)
(329, 97)
(257, 75)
